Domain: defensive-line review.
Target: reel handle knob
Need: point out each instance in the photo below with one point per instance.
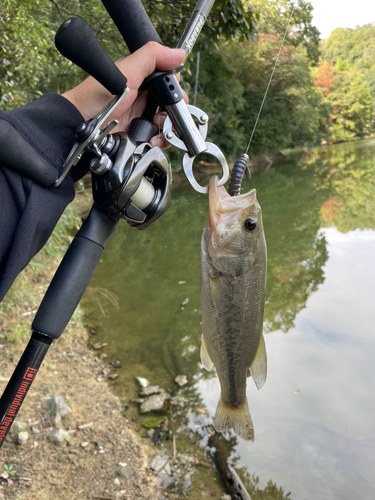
(75, 41)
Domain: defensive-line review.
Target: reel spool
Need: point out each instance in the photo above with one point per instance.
(132, 181)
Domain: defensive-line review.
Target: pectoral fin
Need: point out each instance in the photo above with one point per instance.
(215, 291)
(258, 368)
(205, 357)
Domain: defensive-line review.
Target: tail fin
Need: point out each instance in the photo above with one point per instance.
(238, 419)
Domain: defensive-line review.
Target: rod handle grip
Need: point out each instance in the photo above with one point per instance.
(73, 274)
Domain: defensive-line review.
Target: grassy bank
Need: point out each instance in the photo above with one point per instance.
(22, 300)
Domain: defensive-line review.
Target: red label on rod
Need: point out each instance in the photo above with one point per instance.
(17, 401)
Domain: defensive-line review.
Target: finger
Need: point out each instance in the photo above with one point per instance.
(159, 119)
(158, 141)
(144, 61)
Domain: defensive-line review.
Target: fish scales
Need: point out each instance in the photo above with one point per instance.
(233, 274)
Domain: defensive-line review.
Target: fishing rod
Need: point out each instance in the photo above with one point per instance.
(131, 179)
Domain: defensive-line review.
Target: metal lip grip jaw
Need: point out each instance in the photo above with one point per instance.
(136, 29)
(191, 145)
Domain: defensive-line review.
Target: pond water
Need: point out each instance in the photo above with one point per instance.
(314, 418)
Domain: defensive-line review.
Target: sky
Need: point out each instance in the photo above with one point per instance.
(331, 14)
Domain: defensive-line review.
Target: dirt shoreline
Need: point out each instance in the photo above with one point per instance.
(102, 460)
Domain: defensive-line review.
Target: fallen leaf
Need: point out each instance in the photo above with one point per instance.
(152, 422)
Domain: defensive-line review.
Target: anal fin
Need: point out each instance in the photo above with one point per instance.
(205, 357)
(258, 368)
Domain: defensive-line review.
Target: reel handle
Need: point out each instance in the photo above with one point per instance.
(76, 41)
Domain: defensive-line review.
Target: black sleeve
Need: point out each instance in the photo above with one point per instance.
(29, 212)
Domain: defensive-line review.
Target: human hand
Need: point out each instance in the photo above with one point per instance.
(89, 97)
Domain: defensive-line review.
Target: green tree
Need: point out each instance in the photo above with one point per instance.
(353, 45)
(222, 97)
(351, 107)
(29, 62)
(235, 77)
(335, 47)
(291, 97)
(370, 78)
(273, 17)
(353, 48)
(228, 20)
(31, 66)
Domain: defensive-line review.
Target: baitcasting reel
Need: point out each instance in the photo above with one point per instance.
(130, 178)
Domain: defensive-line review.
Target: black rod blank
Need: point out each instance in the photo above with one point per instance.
(195, 25)
(20, 382)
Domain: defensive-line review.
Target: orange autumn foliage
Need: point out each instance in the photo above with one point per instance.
(325, 76)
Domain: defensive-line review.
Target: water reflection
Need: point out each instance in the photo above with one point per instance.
(296, 249)
(314, 417)
(347, 172)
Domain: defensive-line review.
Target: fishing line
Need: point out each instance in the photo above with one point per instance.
(270, 80)
(159, 123)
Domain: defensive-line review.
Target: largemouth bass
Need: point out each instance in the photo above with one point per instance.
(233, 283)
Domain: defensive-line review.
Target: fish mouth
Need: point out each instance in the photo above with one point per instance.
(223, 206)
(215, 194)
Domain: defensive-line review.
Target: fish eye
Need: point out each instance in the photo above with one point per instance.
(250, 224)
